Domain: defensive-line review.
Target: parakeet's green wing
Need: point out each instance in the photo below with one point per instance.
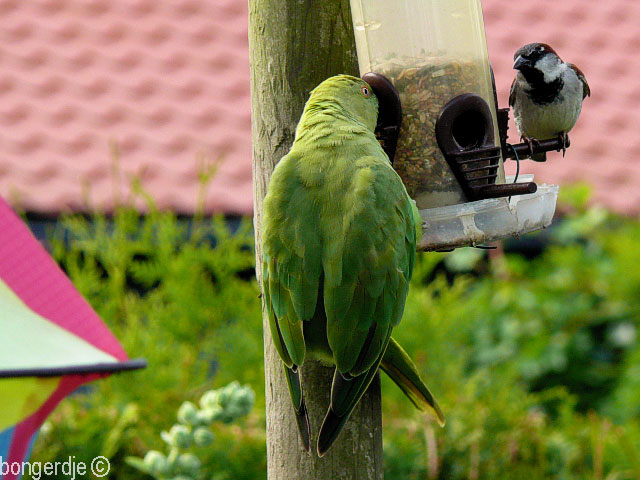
(291, 273)
(367, 266)
(291, 259)
(366, 300)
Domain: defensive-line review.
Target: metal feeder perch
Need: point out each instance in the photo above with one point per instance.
(449, 142)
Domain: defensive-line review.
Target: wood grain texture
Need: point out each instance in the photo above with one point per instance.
(294, 45)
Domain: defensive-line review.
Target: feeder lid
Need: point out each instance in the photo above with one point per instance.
(482, 221)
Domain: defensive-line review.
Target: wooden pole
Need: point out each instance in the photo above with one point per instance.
(294, 45)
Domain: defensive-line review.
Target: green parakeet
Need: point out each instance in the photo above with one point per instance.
(339, 244)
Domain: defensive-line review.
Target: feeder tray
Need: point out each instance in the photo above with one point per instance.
(482, 221)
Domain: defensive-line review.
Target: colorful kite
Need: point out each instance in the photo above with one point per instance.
(51, 340)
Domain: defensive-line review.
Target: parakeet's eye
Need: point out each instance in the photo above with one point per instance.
(365, 92)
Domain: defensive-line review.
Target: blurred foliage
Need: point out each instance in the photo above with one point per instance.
(534, 359)
(183, 439)
(181, 294)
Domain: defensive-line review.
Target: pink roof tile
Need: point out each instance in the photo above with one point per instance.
(167, 82)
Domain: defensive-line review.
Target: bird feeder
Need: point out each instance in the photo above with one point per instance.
(448, 148)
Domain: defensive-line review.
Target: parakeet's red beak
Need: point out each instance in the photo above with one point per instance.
(389, 111)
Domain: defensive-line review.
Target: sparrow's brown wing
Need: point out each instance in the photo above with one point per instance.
(512, 93)
(586, 91)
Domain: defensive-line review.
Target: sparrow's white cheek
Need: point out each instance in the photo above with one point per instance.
(551, 67)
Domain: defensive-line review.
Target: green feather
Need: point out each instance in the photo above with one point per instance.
(375, 343)
(401, 369)
(278, 342)
(297, 398)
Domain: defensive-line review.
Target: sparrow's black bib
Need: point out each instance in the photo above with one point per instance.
(541, 92)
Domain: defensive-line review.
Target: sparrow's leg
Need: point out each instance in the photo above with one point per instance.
(531, 141)
(563, 137)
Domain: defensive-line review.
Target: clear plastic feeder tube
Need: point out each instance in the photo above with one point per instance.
(432, 51)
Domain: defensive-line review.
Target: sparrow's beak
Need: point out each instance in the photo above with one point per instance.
(389, 110)
(520, 61)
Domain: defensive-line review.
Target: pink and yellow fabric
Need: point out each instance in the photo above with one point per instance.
(51, 340)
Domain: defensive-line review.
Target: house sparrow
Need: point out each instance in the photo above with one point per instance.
(546, 95)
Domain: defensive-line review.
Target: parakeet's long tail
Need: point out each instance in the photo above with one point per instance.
(297, 397)
(401, 369)
(345, 394)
